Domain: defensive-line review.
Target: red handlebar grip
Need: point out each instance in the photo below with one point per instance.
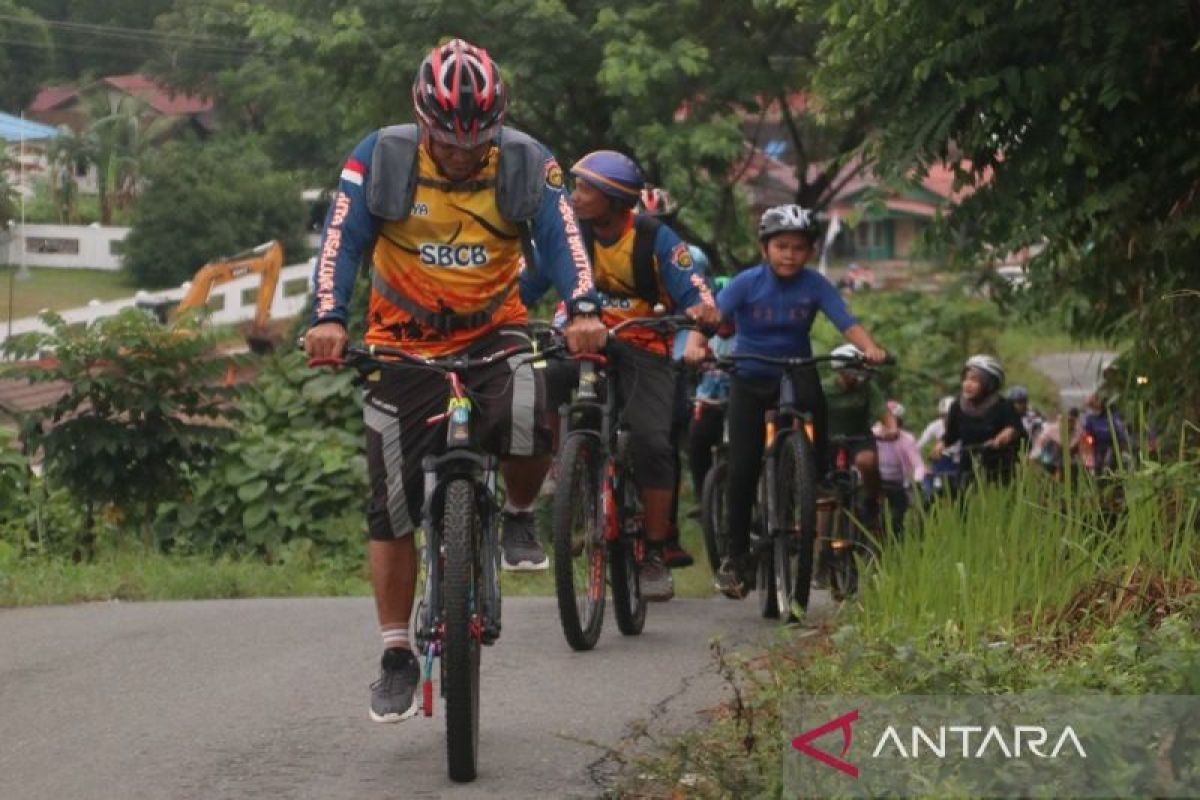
(595, 358)
(325, 362)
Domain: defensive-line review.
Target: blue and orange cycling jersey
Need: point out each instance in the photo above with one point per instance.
(454, 254)
(773, 317)
(680, 285)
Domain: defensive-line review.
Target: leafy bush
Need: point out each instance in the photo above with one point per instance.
(205, 201)
(141, 404)
(292, 484)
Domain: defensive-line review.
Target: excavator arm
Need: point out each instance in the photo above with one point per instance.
(266, 260)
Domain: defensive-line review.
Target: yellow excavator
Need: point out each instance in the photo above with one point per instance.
(266, 260)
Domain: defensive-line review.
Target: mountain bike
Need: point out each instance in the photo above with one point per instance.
(597, 512)
(784, 537)
(459, 609)
(843, 538)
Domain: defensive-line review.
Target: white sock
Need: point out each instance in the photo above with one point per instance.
(512, 508)
(395, 637)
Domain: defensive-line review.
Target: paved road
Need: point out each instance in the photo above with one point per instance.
(1075, 374)
(267, 699)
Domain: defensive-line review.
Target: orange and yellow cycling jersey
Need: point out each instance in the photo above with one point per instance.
(453, 253)
(448, 273)
(679, 285)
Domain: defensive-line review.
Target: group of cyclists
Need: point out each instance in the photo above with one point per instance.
(467, 224)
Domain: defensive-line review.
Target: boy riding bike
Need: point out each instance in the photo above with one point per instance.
(854, 404)
(772, 307)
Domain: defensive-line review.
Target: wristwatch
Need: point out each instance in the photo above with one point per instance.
(585, 307)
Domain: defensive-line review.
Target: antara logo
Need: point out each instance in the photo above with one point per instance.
(943, 741)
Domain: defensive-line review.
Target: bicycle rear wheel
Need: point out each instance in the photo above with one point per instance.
(843, 571)
(712, 513)
(579, 546)
(793, 546)
(461, 592)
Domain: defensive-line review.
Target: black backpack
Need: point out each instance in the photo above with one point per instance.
(645, 277)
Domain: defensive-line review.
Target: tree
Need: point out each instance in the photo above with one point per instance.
(1077, 123)
(142, 403)
(27, 57)
(8, 194)
(98, 37)
(203, 202)
(585, 74)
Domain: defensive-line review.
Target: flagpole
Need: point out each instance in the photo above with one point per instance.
(23, 273)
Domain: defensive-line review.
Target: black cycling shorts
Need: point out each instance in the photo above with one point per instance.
(508, 415)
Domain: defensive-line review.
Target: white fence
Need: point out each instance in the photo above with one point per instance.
(229, 303)
(68, 246)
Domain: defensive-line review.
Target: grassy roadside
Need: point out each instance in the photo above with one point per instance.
(130, 577)
(1034, 587)
(139, 576)
(58, 289)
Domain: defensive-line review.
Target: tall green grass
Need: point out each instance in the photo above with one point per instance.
(1032, 587)
(1014, 560)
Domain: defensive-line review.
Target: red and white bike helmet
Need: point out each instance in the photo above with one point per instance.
(656, 202)
(458, 94)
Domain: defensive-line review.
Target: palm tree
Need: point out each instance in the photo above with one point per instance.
(8, 192)
(69, 152)
(112, 135)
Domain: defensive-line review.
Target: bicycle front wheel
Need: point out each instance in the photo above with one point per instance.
(764, 554)
(712, 513)
(462, 588)
(793, 545)
(579, 546)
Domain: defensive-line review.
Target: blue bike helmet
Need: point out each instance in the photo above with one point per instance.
(615, 174)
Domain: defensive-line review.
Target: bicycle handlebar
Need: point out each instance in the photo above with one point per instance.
(733, 358)
(667, 324)
(369, 356)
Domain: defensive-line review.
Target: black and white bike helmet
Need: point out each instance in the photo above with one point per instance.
(988, 365)
(788, 219)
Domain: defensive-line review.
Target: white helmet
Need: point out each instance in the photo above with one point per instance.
(789, 218)
(847, 356)
(944, 405)
(988, 365)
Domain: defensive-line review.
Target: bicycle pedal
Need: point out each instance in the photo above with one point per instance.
(427, 698)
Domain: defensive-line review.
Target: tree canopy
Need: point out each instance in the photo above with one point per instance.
(205, 201)
(1077, 124)
(668, 82)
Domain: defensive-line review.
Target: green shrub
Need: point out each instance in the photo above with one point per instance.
(292, 484)
(142, 404)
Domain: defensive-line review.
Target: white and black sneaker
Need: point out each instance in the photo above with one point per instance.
(394, 696)
(519, 546)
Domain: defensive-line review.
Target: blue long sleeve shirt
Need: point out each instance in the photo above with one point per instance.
(773, 317)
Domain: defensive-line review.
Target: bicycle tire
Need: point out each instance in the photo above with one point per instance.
(843, 572)
(796, 489)
(712, 513)
(764, 554)
(628, 606)
(461, 588)
(578, 504)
